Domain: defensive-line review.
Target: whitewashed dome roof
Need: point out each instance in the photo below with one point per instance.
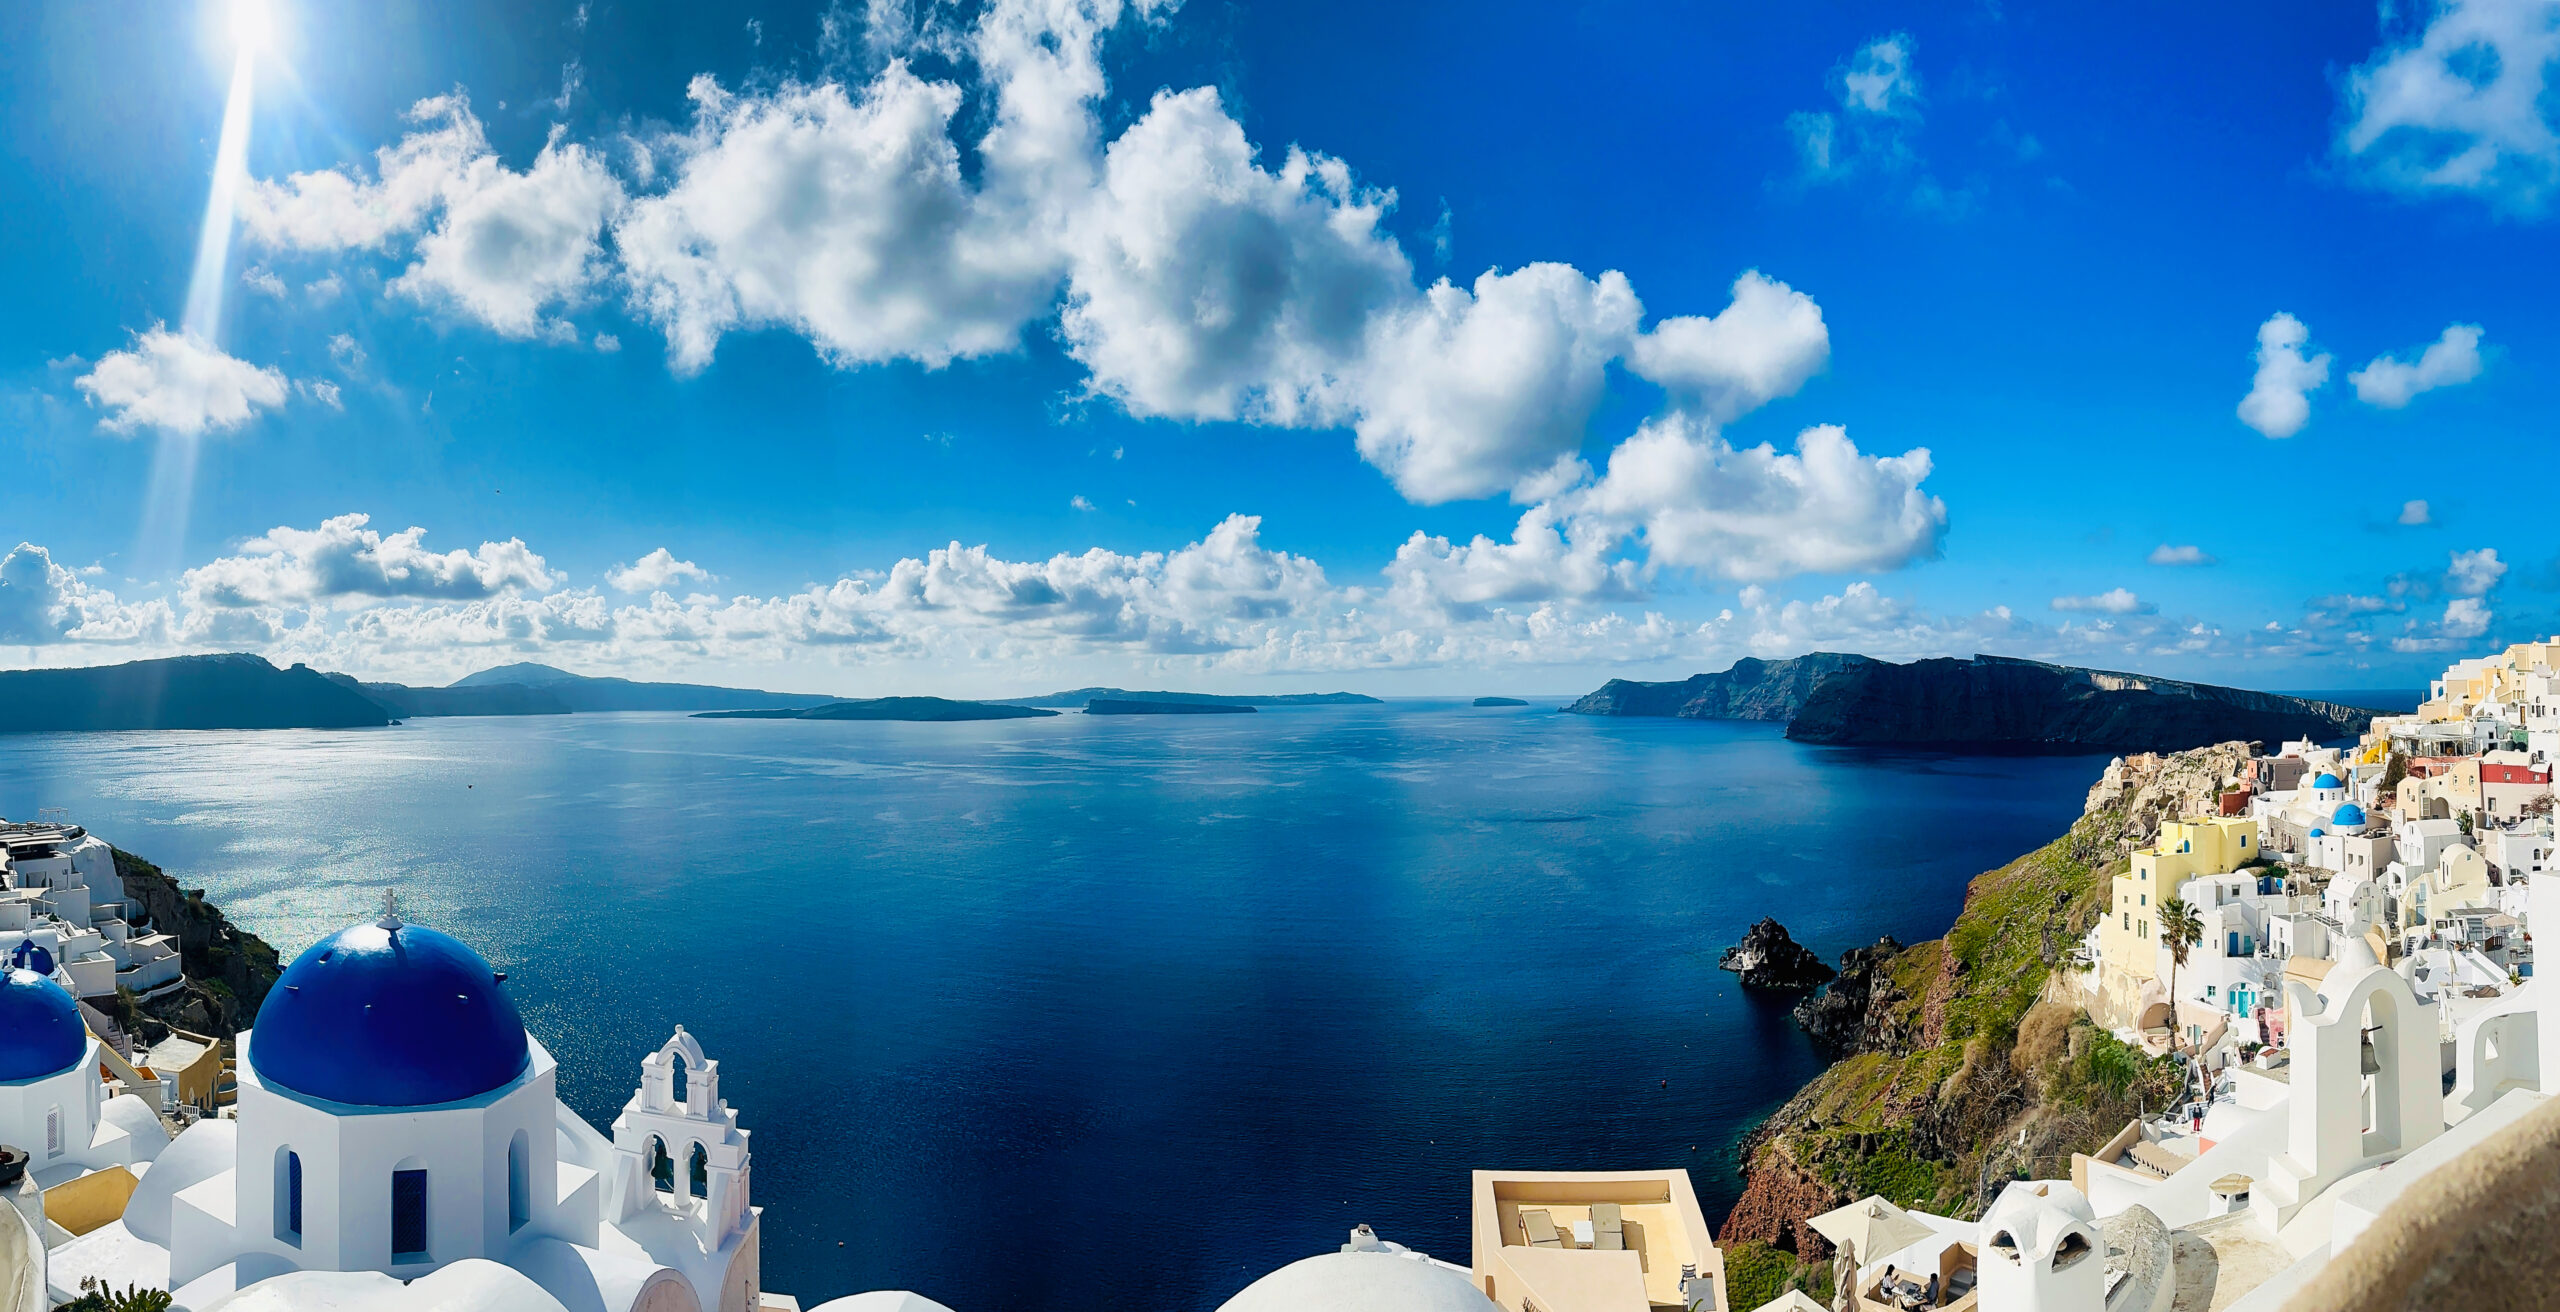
(1368, 1276)
(882, 1300)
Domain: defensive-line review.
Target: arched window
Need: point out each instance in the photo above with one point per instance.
(700, 1173)
(519, 1184)
(289, 1196)
(409, 1216)
(2068, 1253)
(662, 1168)
(679, 1081)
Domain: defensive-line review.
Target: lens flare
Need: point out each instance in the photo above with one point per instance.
(252, 25)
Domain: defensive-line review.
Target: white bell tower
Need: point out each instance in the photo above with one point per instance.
(681, 1170)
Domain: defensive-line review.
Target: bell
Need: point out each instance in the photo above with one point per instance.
(2372, 1064)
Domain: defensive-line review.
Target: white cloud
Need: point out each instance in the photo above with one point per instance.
(346, 351)
(320, 390)
(1755, 514)
(345, 559)
(2464, 108)
(2279, 400)
(2414, 513)
(1762, 347)
(655, 572)
(1878, 92)
(260, 280)
(2113, 601)
(42, 603)
(2165, 554)
(179, 384)
(2451, 359)
(1539, 563)
(607, 344)
(1467, 394)
(2474, 572)
(1080, 502)
(505, 248)
(323, 289)
(1879, 79)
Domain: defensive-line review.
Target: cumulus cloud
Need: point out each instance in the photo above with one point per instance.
(1540, 563)
(655, 572)
(1763, 346)
(180, 384)
(261, 280)
(2415, 513)
(2474, 572)
(43, 603)
(2451, 359)
(2464, 620)
(2165, 554)
(1192, 275)
(504, 247)
(343, 558)
(2113, 601)
(2279, 400)
(2463, 108)
(1756, 514)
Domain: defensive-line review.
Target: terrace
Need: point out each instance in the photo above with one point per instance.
(1595, 1241)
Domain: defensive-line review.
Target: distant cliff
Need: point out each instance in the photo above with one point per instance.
(1987, 701)
(579, 692)
(181, 692)
(1127, 706)
(1085, 696)
(488, 699)
(929, 709)
(1752, 690)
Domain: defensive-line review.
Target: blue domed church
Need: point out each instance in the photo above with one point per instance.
(398, 1142)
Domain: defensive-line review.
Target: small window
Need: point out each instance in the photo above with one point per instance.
(408, 1216)
(519, 1184)
(679, 1090)
(53, 1132)
(289, 1196)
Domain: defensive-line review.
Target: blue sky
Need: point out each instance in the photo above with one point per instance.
(954, 348)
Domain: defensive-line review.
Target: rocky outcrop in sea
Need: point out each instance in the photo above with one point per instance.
(1769, 958)
(1859, 1002)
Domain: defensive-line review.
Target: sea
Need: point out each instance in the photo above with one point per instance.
(1107, 1013)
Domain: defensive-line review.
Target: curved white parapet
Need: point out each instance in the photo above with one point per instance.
(22, 1285)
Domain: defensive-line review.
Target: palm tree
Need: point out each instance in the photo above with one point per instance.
(2180, 929)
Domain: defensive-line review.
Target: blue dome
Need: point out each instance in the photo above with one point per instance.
(28, 955)
(2327, 780)
(2317, 832)
(2349, 814)
(389, 1017)
(41, 1032)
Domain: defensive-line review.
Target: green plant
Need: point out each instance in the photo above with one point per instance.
(96, 1297)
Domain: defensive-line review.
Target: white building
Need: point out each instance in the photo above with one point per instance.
(50, 875)
(399, 1141)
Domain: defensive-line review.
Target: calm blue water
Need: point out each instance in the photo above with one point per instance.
(1107, 1013)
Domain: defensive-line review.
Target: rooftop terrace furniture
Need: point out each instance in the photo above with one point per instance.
(1541, 1229)
(1608, 1231)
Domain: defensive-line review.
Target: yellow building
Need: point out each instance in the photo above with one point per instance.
(2129, 938)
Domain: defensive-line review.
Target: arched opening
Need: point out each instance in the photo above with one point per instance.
(409, 1216)
(662, 1168)
(2379, 1058)
(289, 1196)
(698, 1172)
(2074, 1246)
(679, 1086)
(2005, 1245)
(519, 1184)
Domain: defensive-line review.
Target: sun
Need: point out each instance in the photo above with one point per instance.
(252, 26)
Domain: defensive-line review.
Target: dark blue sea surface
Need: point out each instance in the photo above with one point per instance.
(1107, 1013)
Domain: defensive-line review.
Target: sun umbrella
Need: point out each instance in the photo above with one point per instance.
(1873, 1226)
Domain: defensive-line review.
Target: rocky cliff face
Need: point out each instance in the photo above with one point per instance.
(1985, 702)
(1953, 1072)
(228, 969)
(180, 692)
(1771, 691)
(1995, 701)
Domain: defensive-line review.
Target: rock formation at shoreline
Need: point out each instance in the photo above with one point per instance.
(228, 970)
(1953, 1071)
(1500, 701)
(1769, 958)
(1990, 702)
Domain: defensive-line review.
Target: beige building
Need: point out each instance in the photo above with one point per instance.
(1595, 1241)
(2129, 936)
